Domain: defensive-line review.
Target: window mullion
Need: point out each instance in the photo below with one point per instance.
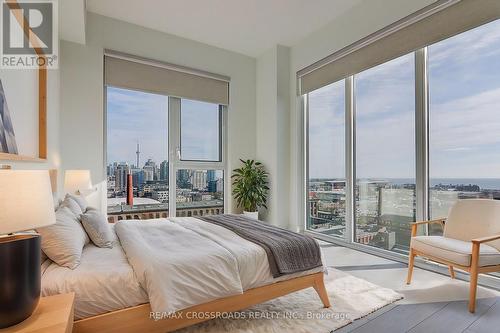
(422, 134)
(174, 108)
(350, 158)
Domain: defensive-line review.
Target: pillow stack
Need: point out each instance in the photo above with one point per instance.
(63, 241)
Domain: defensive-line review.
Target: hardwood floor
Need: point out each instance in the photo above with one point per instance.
(433, 303)
(449, 317)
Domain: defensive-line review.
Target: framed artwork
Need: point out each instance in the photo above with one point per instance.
(8, 141)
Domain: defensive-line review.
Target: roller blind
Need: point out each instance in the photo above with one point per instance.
(139, 74)
(429, 25)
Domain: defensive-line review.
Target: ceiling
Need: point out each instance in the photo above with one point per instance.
(249, 27)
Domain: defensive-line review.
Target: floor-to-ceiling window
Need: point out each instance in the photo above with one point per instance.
(385, 154)
(327, 184)
(137, 144)
(431, 113)
(464, 118)
(200, 170)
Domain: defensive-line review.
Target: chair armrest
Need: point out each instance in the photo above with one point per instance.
(485, 239)
(440, 221)
(414, 225)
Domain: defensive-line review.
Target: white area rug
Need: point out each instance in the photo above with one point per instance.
(303, 312)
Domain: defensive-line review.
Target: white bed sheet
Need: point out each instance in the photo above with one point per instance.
(103, 282)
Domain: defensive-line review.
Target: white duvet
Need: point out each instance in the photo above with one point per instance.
(182, 262)
(176, 266)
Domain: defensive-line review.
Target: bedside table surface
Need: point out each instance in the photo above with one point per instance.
(54, 314)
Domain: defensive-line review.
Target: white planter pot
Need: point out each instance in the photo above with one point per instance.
(252, 215)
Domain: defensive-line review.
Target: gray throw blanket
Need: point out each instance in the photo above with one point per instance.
(287, 252)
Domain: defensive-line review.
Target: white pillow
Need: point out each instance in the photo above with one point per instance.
(80, 200)
(97, 227)
(72, 205)
(63, 241)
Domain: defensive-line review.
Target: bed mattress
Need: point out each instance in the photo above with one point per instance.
(105, 281)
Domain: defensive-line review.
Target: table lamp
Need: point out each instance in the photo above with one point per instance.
(25, 203)
(77, 182)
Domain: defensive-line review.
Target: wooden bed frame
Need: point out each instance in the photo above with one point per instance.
(139, 319)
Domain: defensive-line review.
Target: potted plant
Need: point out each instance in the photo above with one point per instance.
(250, 187)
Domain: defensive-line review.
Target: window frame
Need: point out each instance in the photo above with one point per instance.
(423, 188)
(421, 158)
(174, 161)
(177, 163)
(418, 154)
(348, 186)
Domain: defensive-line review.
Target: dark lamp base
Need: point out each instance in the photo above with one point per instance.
(19, 277)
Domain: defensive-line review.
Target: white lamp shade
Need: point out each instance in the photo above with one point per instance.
(25, 200)
(77, 181)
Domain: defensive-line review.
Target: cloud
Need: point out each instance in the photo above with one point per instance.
(464, 48)
(199, 130)
(136, 117)
(464, 114)
(327, 131)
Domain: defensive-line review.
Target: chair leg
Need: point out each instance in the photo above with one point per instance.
(452, 271)
(473, 277)
(411, 260)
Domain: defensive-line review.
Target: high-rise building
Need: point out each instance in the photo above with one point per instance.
(150, 170)
(148, 173)
(121, 173)
(110, 170)
(212, 186)
(164, 170)
(183, 180)
(138, 178)
(199, 179)
(211, 176)
(220, 185)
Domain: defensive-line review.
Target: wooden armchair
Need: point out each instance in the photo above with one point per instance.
(470, 241)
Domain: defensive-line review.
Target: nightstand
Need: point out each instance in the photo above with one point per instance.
(54, 314)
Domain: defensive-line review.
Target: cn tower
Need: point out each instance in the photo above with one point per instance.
(138, 153)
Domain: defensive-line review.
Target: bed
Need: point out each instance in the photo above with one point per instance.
(115, 291)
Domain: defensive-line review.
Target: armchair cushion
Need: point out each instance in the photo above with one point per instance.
(474, 218)
(455, 250)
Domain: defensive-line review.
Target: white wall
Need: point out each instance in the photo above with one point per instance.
(21, 91)
(273, 117)
(82, 117)
(362, 20)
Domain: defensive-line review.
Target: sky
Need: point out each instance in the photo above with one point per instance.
(139, 117)
(464, 85)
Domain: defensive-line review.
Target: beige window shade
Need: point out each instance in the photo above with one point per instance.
(157, 78)
(428, 29)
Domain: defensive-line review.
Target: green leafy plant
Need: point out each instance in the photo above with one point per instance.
(250, 185)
